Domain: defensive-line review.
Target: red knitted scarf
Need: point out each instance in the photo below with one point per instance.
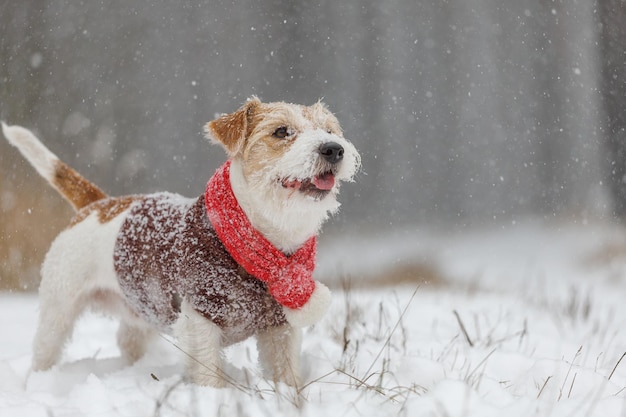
(289, 278)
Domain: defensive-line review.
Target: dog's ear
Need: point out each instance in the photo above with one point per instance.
(231, 130)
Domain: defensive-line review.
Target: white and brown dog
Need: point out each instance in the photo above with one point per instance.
(214, 270)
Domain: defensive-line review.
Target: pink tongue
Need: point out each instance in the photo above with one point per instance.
(324, 181)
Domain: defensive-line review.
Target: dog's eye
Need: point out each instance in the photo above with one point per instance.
(282, 132)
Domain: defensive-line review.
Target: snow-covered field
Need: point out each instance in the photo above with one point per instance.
(529, 322)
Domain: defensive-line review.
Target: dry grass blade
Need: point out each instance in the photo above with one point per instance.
(462, 326)
(571, 365)
(481, 363)
(363, 382)
(571, 387)
(395, 327)
(616, 365)
(316, 380)
(161, 401)
(544, 385)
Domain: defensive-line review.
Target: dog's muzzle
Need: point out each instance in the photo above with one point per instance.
(320, 184)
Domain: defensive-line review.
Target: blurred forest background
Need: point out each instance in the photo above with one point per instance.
(466, 112)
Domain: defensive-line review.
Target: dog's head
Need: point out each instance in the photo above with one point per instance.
(294, 153)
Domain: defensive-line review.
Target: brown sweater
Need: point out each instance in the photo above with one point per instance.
(167, 251)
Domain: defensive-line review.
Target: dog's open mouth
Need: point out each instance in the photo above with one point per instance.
(317, 187)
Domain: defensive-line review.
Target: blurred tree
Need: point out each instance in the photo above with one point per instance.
(613, 85)
(21, 69)
(463, 110)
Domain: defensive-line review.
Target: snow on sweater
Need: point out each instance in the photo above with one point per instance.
(167, 250)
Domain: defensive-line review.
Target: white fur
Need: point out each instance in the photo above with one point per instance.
(201, 341)
(286, 224)
(301, 159)
(286, 217)
(77, 273)
(33, 150)
(279, 353)
(311, 312)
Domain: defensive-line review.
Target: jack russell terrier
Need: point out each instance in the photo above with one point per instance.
(235, 262)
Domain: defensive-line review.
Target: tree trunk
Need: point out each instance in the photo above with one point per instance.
(613, 85)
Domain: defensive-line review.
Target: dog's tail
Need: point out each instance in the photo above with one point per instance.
(69, 183)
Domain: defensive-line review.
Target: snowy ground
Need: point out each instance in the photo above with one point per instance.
(529, 323)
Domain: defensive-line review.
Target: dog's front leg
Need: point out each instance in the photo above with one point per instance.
(201, 342)
(279, 352)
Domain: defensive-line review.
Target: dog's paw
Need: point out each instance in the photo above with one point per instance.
(313, 310)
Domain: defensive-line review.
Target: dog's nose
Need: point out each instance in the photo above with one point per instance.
(331, 152)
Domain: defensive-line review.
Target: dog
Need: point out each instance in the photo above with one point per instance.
(212, 271)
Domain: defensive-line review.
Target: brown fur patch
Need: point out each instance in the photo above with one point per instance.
(232, 129)
(254, 123)
(319, 115)
(107, 209)
(76, 189)
(262, 149)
